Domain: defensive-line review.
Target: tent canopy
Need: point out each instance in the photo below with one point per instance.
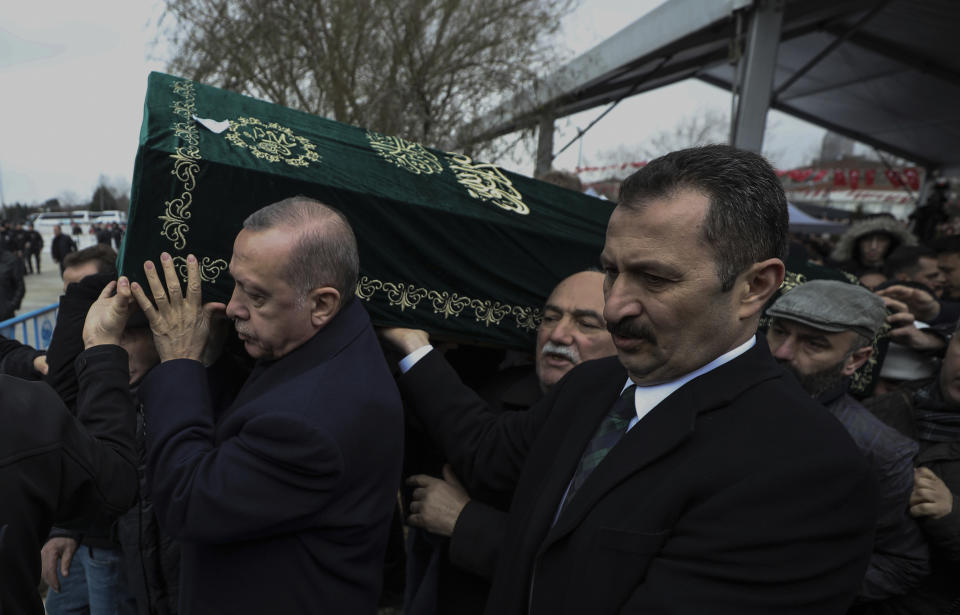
(801, 222)
(883, 72)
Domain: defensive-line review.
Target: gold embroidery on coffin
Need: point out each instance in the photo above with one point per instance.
(861, 379)
(210, 269)
(486, 182)
(791, 280)
(271, 142)
(185, 166)
(409, 296)
(407, 155)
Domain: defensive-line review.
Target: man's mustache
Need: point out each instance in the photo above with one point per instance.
(568, 352)
(631, 329)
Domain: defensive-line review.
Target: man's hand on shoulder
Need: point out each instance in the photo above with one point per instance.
(406, 340)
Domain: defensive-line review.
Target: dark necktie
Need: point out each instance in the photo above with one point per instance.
(611, 429)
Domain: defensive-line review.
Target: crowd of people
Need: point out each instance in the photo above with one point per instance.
(21, 247)
(692, 434)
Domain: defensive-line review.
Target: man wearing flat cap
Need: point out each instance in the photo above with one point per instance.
(822, 332)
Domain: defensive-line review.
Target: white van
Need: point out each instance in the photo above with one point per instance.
(108, 217)
(66, 219)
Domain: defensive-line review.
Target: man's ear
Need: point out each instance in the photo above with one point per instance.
(324, 304)
(856, 360)
(757, 284)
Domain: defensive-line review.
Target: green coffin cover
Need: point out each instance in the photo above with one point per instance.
(461, 248)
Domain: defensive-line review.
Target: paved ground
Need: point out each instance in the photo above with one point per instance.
(42, 289)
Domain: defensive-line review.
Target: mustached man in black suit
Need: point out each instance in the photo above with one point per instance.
(680, 476)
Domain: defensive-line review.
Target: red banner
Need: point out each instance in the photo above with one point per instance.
(842, 178)
(913, 178)
(854, 178)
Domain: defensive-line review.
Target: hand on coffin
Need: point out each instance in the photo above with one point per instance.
(180, 324)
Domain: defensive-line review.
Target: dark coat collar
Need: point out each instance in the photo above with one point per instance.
(349, 323)
(666, 426)
(523, 393)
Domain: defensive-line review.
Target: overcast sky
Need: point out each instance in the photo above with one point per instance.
(73, 76)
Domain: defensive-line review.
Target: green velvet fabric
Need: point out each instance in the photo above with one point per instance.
(460, 248)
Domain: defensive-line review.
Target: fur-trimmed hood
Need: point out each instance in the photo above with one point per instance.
(843, 251)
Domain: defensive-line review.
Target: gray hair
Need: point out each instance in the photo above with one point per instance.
(747, 219)
(325, 251)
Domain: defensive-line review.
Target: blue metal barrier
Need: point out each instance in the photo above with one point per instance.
(33, 328)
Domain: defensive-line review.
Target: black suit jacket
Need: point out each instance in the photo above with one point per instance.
(452, 577)
(55, 468)
(736, 494)
(281, 501)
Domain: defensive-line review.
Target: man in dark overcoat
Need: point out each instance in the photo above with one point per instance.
(281, 497)
(678, 477)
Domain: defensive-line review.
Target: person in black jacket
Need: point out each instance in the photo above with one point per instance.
(678, 477)
(453, 576)
(146, 562)
(12, 287)
(55, 468)
(20, 360)
(35, 247)
(822, 332)
(930, 415)
(61, 246)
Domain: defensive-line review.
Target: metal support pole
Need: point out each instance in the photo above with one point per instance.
(763, 39)
(544, 145)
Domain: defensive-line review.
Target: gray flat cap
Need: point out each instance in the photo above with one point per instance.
(833, 306)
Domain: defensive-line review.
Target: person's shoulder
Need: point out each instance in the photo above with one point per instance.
(607, 365)
(872, 435)
(33, 416)
(780, 408)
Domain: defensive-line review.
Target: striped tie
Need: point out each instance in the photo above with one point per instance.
(611, 429)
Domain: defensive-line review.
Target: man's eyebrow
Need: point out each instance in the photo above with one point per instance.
(250, 288)
(815, 337)
(654, 266)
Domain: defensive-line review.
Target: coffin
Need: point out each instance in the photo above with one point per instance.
(461, 248)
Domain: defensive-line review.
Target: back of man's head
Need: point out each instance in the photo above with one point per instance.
(324, 250)
(947, 245)
(906, 260)
(564, 179)
(747, 221)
